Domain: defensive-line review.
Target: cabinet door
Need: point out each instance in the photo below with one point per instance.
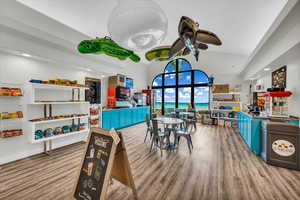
(106, 119)
(122, 118)
(115, 119)
(140, 115)
(136, 115)
(129, 119)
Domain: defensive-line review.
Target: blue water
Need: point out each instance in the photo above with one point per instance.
(199, 106)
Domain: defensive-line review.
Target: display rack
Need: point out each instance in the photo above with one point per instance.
(11, 110)
(276, 103)
(46, 101)
(225, 105)
(95, 115)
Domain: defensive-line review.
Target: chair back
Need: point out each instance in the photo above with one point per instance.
(153, 115)
(186, 126)
(173, 115)
(148, 120)
(155, 127)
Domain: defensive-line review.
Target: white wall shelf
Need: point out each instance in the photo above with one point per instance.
(58, 120)
(223, 110)
(44, 100)
(225, 118)
(227, 102)
(60, 102)
(11, 104)
(60, 136)
(56, 87)
(232, 93)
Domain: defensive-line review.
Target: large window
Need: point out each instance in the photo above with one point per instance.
(180, 86)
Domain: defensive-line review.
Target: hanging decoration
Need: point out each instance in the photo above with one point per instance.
(160, 53)
(108, 47)
(191, 38)
(138, 24)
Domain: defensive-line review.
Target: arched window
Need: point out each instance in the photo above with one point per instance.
(180, 86)
(157, 81)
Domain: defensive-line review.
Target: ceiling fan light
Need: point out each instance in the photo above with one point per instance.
(138, 24)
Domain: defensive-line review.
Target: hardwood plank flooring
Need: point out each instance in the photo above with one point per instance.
(220, 167)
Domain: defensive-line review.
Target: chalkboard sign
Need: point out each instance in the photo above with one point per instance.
(96, 166)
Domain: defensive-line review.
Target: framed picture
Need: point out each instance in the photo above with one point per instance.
(279, 78)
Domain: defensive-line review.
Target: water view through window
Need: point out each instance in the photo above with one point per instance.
(180, 86)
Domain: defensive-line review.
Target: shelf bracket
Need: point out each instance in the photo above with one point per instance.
(78, 94)
(48, 147)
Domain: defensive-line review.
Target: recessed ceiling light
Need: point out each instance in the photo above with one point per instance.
(26, 55)
(88, 69)
(267, 69)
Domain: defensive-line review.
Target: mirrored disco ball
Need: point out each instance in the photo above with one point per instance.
(137, 24)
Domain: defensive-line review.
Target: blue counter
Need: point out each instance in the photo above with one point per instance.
(124, 117)
(250, 129)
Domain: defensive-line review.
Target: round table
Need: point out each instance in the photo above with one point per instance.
(169, 121)
(183, 113)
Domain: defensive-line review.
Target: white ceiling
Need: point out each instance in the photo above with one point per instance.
(240, 24)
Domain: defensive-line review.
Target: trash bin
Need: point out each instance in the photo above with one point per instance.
(280, 144)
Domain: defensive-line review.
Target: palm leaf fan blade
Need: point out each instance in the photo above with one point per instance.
(177, 46)
(207, 37)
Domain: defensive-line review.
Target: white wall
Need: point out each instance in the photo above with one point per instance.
(283, 39)
(281, 48)
(19, 70)
(293, 83)
(53, 46)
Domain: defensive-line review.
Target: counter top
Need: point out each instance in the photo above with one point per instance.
(269, 117)
(124, 108)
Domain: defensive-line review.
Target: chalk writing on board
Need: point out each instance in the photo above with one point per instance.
(101, 142)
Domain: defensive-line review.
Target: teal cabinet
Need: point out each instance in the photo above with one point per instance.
(106, 123)
(121, 118)
(250, 129)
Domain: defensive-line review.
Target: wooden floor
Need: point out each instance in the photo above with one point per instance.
(220, 167)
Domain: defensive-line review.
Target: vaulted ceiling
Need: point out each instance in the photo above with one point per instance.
(241, 24)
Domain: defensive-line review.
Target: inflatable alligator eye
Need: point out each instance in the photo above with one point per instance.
(107, 38)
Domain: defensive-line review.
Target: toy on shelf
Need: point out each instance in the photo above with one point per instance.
(11, 133)
(70, 101)
(50, 132)
(14, 92)
(60, 82)
(58, 117)
(6, 115)
(94, 121)
(276, 103)
(94, 111)
(57, 131)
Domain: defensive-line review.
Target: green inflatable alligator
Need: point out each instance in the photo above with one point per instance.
(106, 46)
